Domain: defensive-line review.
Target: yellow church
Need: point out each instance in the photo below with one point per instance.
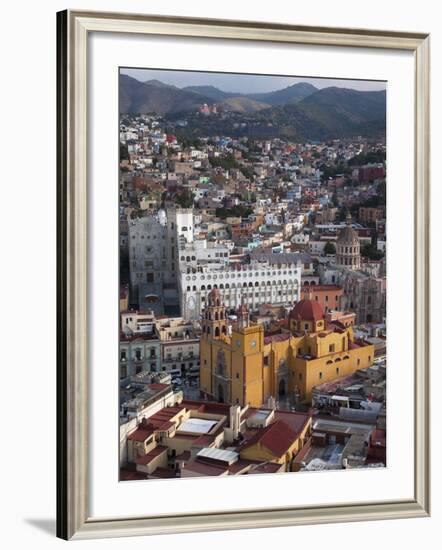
(240, 364)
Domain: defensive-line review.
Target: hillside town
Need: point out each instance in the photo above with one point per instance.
(252, 300)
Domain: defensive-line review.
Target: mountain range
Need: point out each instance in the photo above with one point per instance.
(299, 111)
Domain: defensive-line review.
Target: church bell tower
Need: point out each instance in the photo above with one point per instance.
(214, 323)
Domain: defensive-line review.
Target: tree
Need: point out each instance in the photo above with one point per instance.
(185, 199)
(370, 251)
(238, 211)
(329, 248)
(124, 153)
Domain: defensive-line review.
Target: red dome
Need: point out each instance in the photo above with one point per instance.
(307, 310)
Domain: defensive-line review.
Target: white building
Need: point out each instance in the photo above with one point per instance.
(153, 244)
(255, 284)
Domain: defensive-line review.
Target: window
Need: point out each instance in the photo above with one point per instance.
(305, 324)
(337, 370)
(320, 375)
(359, 361)
(300, 376)
(237, 375)
(331, 348)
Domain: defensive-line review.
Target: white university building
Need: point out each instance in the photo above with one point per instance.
(166, 263)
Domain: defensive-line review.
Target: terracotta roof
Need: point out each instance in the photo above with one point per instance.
(145, 459)
(140, 434)
(296, 420)
(129, 475)
(164, 473)
(266, 468)
(277, 438)
(276, 338)
(205, 469)
(307, 310)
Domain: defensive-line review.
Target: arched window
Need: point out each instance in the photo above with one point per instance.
(203, 287)
(329, 362)
(217, 331)
(216, 316)
(337, 360)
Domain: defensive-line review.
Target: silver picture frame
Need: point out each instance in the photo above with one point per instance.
(73, 517)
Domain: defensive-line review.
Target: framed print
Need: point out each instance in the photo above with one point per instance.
(233, 198)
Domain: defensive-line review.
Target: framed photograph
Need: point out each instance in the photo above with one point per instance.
(232, 199)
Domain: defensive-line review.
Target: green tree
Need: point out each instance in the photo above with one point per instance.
(185, 199)
(235, 212)
(370, 251)
(329, 248)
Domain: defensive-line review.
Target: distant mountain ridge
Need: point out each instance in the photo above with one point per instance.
(156, 97)
(300, 111)
(291, 94)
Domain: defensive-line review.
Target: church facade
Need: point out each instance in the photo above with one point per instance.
(241, 364)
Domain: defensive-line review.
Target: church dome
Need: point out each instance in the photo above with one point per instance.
(307, 310)
(347, 235)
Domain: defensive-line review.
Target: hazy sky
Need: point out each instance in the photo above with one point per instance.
(229, 82)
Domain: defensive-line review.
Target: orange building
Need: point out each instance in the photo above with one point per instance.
(329, 296)
(244, 366)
